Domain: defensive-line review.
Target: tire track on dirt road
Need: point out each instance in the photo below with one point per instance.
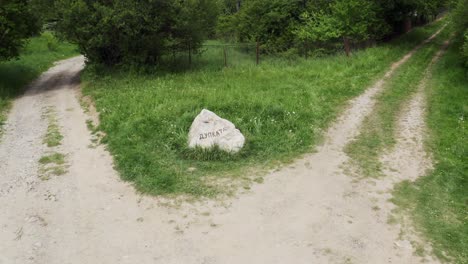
(408, 159)
(308, 212)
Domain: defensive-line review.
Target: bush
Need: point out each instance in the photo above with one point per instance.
(355, 20)
(52, 42)
(460, 21)
(465, 49)
(271, 22)
(135, 32)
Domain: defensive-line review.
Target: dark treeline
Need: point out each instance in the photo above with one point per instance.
(115, 32)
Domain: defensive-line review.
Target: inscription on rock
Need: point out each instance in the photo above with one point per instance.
(209, 130)
(213, 134)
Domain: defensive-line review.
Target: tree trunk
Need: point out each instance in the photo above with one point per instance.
(407, 25)
(190, 53)
(347, 46)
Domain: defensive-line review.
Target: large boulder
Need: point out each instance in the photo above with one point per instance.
(209, 130)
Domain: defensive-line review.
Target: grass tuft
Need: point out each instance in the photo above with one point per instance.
(53, 170)
(53, 136)
(52, 164)
(57, 158)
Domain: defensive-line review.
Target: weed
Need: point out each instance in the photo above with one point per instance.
(57, 158)
(52, 164)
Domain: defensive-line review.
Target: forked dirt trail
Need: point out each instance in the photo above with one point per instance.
(309, 212)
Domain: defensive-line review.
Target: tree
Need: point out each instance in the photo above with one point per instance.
(460, 21)
(17, 23)
(44, 10)
(349, 20)
(400, 13)
(271, 22)
(135, 32)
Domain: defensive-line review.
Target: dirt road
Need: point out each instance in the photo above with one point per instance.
(309, 212)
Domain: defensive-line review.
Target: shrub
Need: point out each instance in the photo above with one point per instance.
(460, 21)
(52, 42)
(135, 32)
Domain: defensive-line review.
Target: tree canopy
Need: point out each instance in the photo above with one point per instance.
(344, 19)
(144, 32)
(284, 24)
(134, 32)
(17, 23)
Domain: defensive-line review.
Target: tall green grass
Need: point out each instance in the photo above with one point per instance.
(37, 56)
(438, 202)
(281, 106)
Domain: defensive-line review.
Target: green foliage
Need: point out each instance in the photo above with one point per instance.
(57, 158)
(125, 31)
(267, 21)
(17, 23)
(53, 137)
(460, 15)
(52, 41)
(460, 21)
(355, 20)
(44, 10)
(438, 202)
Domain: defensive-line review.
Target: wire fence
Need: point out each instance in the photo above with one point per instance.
(216, 54)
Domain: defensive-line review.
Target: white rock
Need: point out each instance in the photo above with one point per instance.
(208, 130)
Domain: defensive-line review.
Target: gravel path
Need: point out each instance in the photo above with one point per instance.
(309, 212)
